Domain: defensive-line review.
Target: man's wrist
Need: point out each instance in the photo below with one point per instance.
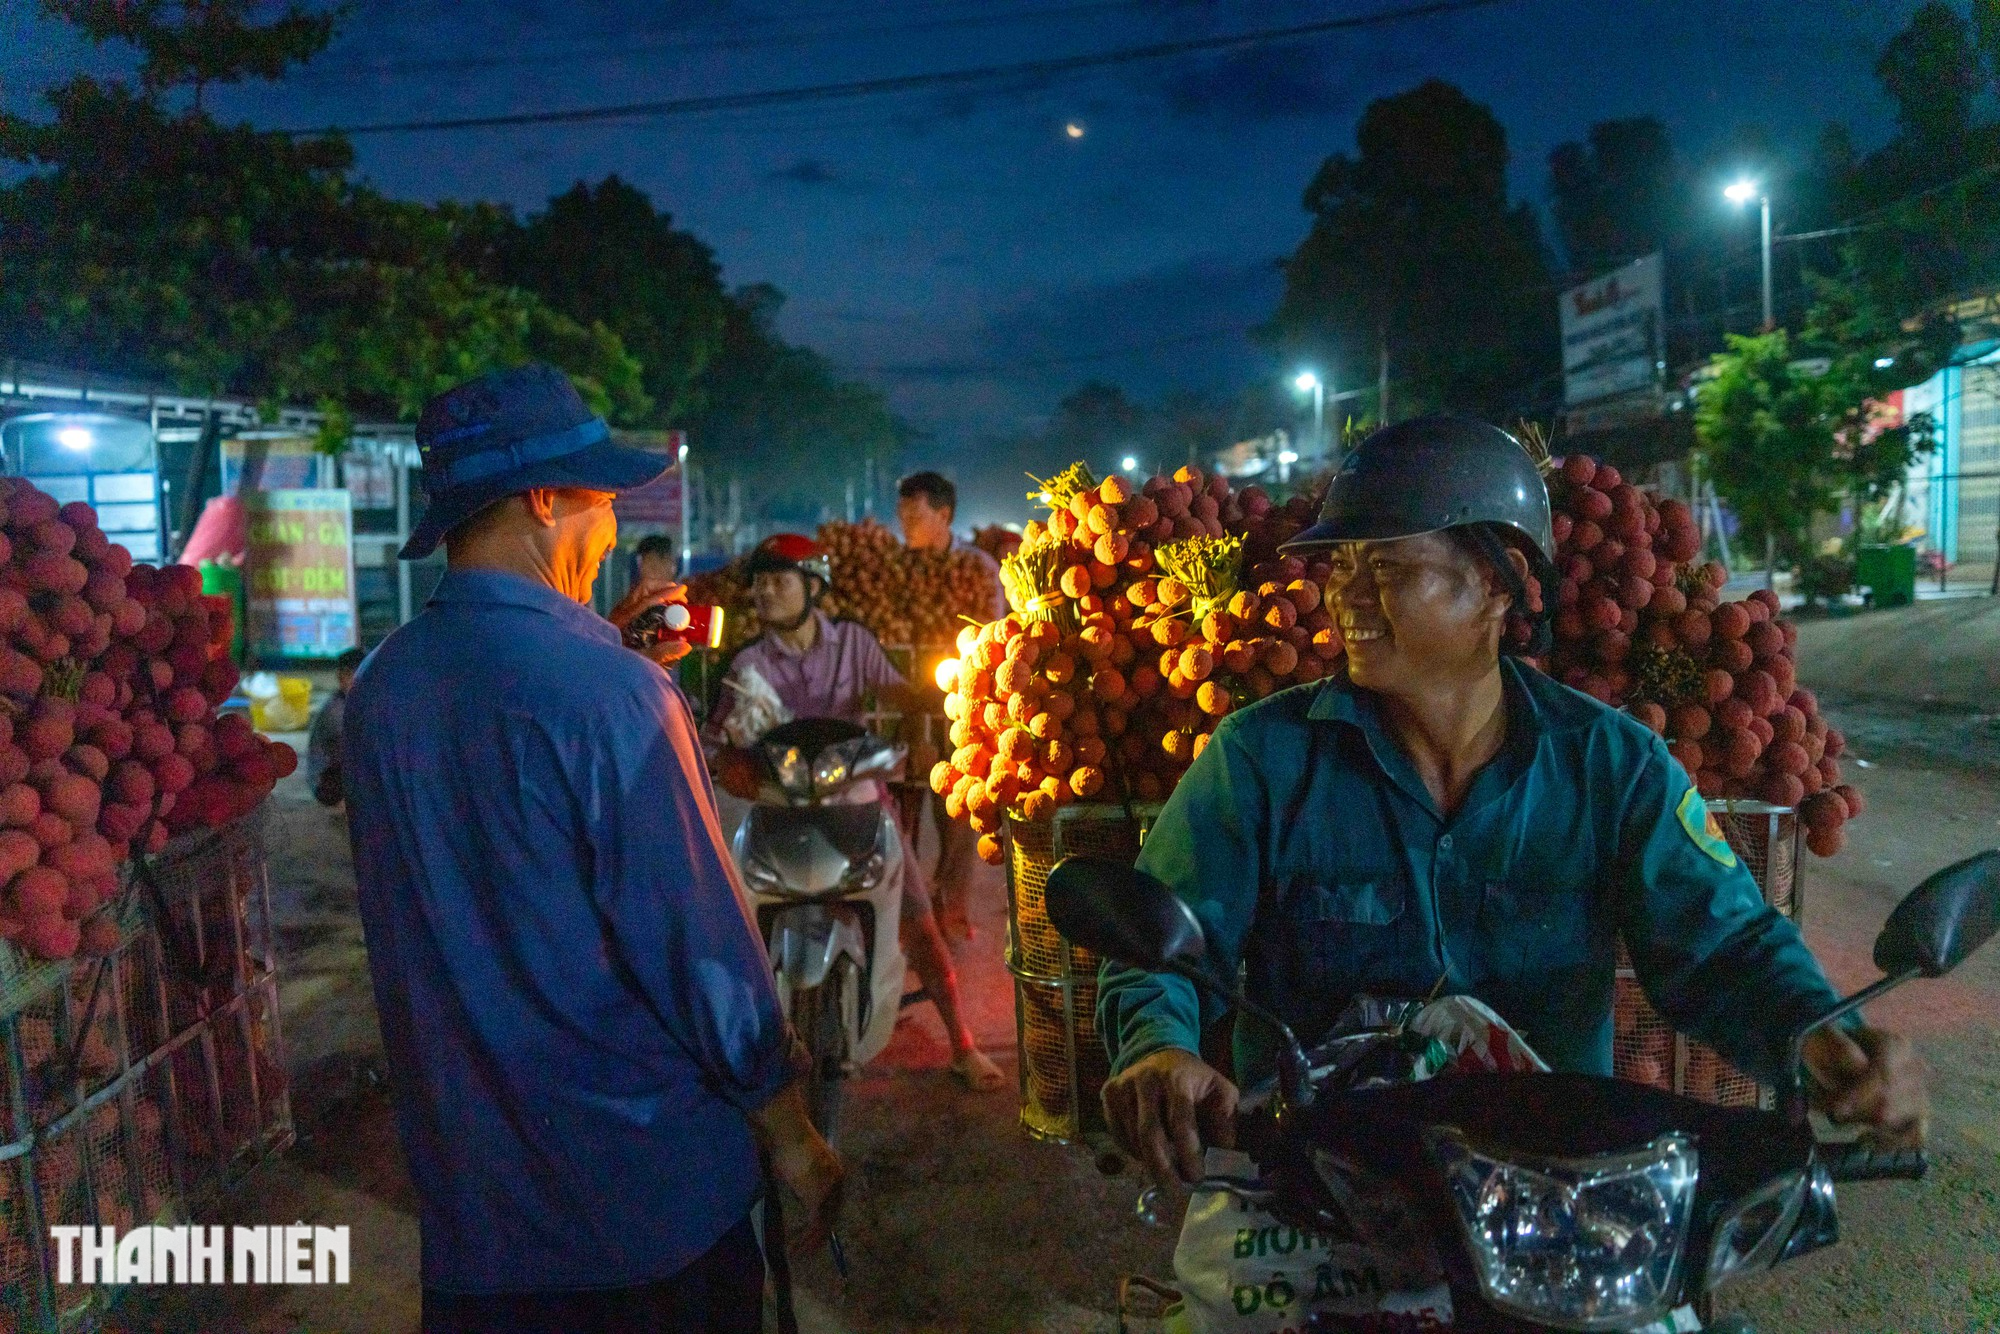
(1140, 1051)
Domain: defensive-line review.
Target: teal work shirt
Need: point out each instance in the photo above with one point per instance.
(1317, 861)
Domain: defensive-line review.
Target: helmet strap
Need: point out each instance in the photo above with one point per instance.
(1526, 630)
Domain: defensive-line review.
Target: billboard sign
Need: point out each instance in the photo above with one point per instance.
(299, 586)
(658, 504)
(1613, 332)
(270, 463)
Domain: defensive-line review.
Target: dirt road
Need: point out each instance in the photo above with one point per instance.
(957, 1222)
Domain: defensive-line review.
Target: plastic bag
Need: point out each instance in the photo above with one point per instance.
(1242, 1271)
(757, 709)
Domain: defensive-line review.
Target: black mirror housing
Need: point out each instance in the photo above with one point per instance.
(1943, 921)
(1116, 910)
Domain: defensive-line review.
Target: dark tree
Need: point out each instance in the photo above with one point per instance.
(605, 254)
(781, 421)
(1620, 194)
(194, 43)
(1929, 199)
(1415, 240)
(161, 243)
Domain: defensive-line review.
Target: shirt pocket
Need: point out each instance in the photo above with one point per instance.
(1351, 923)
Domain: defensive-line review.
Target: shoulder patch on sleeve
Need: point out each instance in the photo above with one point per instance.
(1700, 824)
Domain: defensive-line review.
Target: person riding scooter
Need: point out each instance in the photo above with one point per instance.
(820, 667)
(1441, 818)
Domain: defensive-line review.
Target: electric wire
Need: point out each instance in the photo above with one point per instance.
(625, 44)
(908, 83)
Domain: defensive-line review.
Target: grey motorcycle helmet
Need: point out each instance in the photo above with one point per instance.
(1428, 474)
(1440, 472)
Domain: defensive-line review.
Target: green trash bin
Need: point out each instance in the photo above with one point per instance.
(1888, 573)
(227, 581)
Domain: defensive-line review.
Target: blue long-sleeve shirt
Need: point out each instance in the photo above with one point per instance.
(1313, 854)
(577, 1010)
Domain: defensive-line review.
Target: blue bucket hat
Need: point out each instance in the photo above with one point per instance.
(512, 431)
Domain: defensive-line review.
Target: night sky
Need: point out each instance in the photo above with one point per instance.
(961, 249)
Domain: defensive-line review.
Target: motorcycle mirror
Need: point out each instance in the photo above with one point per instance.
(1117, 910)
(1943, 921)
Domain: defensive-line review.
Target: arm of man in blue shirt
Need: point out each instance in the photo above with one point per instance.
(700, 965)
(1206, 846)
(702, 968)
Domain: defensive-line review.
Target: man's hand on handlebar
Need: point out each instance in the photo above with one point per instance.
(642, 596)
(1870, 1079)
(1166, 1108)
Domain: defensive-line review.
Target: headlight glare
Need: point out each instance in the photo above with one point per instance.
(790, 768)
(1589, 1244)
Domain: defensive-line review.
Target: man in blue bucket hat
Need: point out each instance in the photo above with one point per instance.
(587, 1053)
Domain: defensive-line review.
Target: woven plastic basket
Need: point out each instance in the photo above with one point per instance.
(1644, 1047)
(137, 1087)
(1063, 1062)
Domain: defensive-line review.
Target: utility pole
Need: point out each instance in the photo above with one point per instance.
(1770, 320)
(1382, 386)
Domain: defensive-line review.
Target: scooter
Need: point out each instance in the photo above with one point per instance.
(1552, 1201)
(823, 864)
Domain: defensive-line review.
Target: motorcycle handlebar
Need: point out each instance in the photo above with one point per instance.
(1858, 1162)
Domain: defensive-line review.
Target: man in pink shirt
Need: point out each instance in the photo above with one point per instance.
(820, 667)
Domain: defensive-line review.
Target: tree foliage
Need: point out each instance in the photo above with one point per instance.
(779, 418)
(604, 255)
(1620, 193)
(195, 43)
(148, 238)
(1929, 198)
(1786, 435)
(225, 260)
(1414, 240)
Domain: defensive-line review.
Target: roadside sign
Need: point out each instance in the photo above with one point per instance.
(299, 589)
(657, 505)
(1613, 332)
(270, 463)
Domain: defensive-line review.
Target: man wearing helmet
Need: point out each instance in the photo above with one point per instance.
(821, 667)
(1442, 818)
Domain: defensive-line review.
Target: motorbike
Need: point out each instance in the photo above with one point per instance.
(823, 866)
(1552, 1201)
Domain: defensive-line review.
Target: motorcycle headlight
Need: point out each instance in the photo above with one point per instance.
(1750, 1239)
(790, 768)
(830, 773)
(1582, 1244)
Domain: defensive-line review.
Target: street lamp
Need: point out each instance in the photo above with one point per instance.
(1739, 193)
(1308, 383)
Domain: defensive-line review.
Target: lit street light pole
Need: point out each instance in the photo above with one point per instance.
(1309, 383)
(1740, 193)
